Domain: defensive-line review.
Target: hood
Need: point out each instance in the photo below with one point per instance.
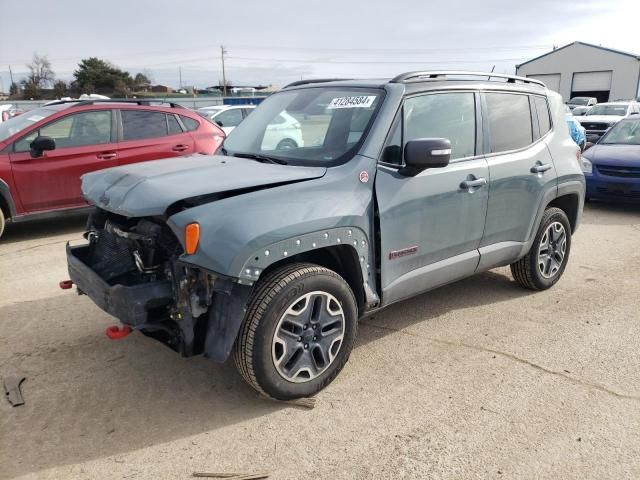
(600, 118)
(621, 155)
(149, 188)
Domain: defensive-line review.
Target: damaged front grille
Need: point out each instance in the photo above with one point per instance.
(129, 251)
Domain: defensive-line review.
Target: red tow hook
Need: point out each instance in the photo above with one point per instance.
(66, 284)
(116, 333)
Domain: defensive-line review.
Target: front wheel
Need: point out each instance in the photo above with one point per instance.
(298, 332)
(286, 144)
(2, 222)
(545, 262)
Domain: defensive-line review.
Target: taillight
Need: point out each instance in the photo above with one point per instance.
(5, 116)
(191, 238)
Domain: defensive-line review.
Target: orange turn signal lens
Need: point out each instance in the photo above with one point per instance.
(191, 238)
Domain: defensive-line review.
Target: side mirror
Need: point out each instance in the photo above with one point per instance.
(40, 144)
(219, 123)
(587, 146)
(424, 153)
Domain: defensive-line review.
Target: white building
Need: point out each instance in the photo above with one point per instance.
(584, 70)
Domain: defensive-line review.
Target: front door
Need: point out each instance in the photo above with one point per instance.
(431, 224)
(84, 143)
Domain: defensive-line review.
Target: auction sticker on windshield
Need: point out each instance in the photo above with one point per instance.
(361, 101)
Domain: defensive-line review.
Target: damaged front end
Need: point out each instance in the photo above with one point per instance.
(131, 269)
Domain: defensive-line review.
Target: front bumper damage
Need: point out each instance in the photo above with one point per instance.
(186, 308)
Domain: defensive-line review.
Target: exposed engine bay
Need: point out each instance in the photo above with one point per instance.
(131, 268)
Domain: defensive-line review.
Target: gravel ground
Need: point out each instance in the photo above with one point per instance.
(478, 379)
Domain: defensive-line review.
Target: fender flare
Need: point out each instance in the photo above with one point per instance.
(5, 195)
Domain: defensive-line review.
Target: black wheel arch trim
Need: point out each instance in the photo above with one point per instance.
(7, 198)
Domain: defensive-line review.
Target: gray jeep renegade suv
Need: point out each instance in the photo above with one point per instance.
(275, 253)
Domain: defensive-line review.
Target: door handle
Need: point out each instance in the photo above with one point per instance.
(106, 155)
(180, 148)
(469, 184)
(541, 168)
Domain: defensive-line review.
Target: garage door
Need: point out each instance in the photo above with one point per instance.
(591, 81)
(551, 80)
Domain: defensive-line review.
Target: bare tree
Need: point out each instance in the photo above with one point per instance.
(40, 73)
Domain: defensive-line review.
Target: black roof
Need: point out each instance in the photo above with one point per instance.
(619, 52)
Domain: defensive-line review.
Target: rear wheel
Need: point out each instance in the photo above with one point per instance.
(545, 262)
(298, 332)
(286, 144)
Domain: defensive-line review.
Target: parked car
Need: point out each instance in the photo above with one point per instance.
(274, 255)
(612, 166)
(44, 152)
(581, 102)
(7, 111)
(577, 131)
(283, 132)
(600, 118)
(579, 111)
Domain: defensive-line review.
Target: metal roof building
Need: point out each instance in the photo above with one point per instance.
(580, 69)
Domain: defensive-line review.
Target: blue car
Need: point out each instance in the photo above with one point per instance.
(612, 166)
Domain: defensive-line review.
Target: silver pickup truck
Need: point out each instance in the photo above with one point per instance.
(274, 253)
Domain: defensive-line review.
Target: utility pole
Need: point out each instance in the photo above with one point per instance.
(224, 76)
(10, 74)
(180, 74)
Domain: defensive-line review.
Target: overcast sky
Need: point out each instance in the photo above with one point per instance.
(277, 41)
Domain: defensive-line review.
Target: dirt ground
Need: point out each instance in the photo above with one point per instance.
(479, 379)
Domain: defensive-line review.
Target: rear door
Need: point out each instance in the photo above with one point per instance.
(431, 224)
(85, 142)
(521, 171)
(151, 135)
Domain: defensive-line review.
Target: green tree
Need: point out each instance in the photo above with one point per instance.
(13, 89)
(59, 89)
(30, 91)
(101, 76)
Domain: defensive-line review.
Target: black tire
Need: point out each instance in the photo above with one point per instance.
(286, 144)
(527, 271)
(273, 295)
(3, 222)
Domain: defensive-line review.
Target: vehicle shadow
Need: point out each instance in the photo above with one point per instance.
(604, 213)
(46, 228)
(88, 397)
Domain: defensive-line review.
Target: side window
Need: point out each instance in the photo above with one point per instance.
(544, 120)
(247, 111)
(139, 124)
(75, 130)
(173, 125)
(230, 118)
(509, 121)
(443, 115)
(189, 123)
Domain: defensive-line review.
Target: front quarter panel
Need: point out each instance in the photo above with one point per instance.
(242, 235)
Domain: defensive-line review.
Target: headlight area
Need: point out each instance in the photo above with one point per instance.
(586, 166)
(135, 269)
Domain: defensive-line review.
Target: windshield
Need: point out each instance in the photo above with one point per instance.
(619, 110)
(624, 133)
(19, 123)
(309, 126)
(579, 101)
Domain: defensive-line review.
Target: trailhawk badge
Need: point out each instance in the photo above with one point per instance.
(364, 176)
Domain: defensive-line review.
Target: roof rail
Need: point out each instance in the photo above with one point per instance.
(434, 75)
(82, 102)
(316, 80)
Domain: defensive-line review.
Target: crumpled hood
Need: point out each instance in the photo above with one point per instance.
(149, 188)
(599, 118)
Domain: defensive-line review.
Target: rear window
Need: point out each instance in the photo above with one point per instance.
(139, 124)
(189, 123)
(509, 121)
(544, 120)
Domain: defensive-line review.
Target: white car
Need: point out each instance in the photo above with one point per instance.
(283, 132)
(601, 117)
(7, 111)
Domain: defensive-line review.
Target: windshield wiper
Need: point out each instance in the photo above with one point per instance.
(260, 158)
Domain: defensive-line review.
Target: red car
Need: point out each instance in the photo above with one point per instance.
(44, 152)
